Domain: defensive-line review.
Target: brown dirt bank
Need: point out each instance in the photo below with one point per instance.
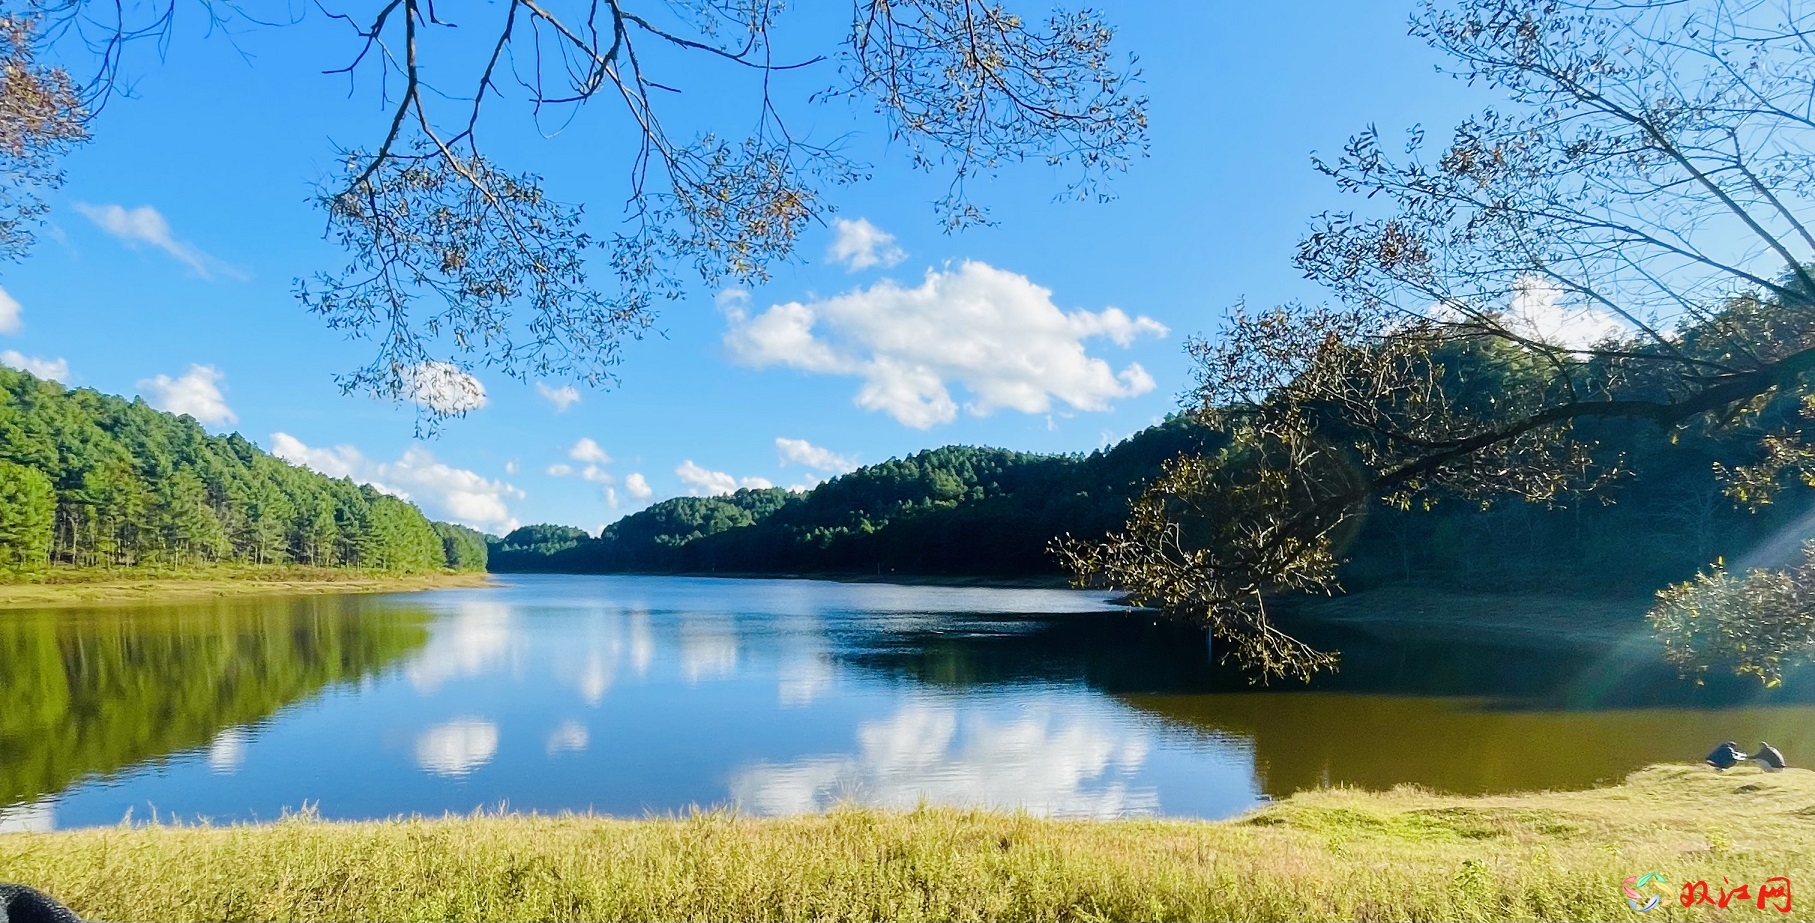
(100, 587)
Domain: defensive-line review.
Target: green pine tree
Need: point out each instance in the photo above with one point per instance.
(28, 509)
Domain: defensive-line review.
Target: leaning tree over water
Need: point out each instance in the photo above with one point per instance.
(1627, 235)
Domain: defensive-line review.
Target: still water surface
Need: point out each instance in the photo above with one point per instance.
(631, 695)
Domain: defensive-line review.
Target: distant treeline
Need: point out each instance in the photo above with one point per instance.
(956, 510)
(93, 480)
(963, 511)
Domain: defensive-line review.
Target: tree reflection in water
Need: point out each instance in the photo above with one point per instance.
(1451, 713)
(94, 691)
(632, 694)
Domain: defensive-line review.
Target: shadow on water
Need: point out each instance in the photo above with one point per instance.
(1137, 652)
(1308, 739)
(1490, 714)
(93, 692)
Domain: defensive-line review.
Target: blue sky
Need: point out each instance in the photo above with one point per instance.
(168, 264)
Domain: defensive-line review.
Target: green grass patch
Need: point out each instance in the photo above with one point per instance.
(1404, 854)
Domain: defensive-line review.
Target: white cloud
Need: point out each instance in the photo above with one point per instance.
(1538, 311)
(196, 392)
(593, 473)
(638, 486)
(9, 313)
(457, 747)
(145, 225)
(443, 387)
(732, 301)
(802, 452)
(563, 397)
(860, 245)
(51, 369)
(510, 467)
(587, 450)
(702, 482)
(444, 492)
(342, 461)
(992, 331)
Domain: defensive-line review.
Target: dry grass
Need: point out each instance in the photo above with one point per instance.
(1399, 855)
(60, 587)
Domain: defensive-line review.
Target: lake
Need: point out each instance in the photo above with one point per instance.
(630, 695)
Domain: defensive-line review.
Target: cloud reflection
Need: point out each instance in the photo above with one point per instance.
(457, 747)
(642, 643)
(802, 681)
(708, 650)
(596, 677)
(570, 736)
(591, 663)
(30, 817)
(478, 639)
(1045, 762)
(227, 752)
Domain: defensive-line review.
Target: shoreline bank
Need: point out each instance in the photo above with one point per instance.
(1328, 854)
(120, 587)
(1033, 582)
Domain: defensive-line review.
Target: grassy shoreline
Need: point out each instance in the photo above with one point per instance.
(1023, 582)
(1331, 854)
(100, 586)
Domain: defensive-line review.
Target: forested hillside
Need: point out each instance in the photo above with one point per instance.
(991, 512)
(89, 479)
(956, 510)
